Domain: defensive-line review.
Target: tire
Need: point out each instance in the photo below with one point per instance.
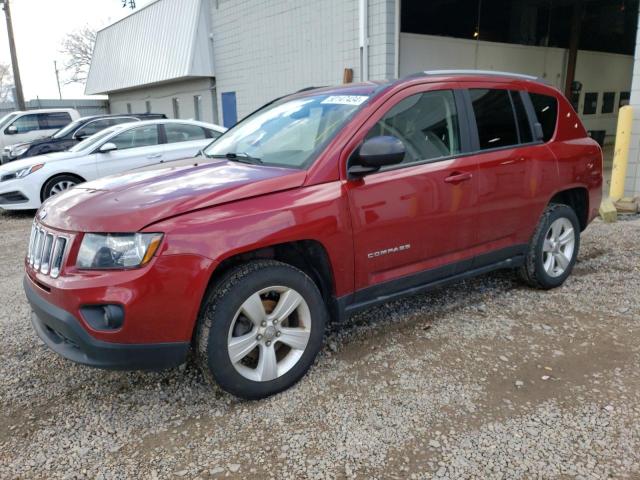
(553, 248)
(58, 184)
(225, 316)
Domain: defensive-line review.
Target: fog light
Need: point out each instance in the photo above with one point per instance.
(103, 317)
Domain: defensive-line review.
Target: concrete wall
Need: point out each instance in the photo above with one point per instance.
(161, 98)
(267, 48)
(598, 72)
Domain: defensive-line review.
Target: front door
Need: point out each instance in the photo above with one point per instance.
(414, 222)
(136, 147)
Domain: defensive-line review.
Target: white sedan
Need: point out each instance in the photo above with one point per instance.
(25, 184)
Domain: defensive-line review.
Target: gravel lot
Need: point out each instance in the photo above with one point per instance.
(485, 379)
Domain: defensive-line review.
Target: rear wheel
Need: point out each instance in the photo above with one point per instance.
(260, 329)
(59, 184)
(553, 249)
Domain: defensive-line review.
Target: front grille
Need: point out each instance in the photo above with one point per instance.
(46, 250)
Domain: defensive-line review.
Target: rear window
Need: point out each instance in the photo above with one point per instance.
(546, 108)
(55, 119)
(494, 118)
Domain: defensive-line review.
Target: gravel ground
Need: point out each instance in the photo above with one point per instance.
(484, 379)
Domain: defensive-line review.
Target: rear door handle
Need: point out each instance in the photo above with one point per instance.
(157, 155)
(457, 177)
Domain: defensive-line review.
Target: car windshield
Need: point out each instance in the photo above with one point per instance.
(92, 141)
(64, 131)
(287, 133)
(6, 119)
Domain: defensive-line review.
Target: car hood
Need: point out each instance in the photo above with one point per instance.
(131, 201)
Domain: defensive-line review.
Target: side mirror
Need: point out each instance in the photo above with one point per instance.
(80, 137)
(108, 147)
(12, 130)
(375, 153)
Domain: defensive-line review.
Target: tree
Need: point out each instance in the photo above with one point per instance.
(6, 83)
(78, 47)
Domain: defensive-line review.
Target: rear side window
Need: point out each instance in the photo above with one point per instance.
(179, 132)
(426, 123)
(494, 118)
(54, 120)
(93, 127)
(546, 108)
(524, 128)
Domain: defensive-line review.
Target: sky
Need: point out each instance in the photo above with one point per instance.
(39, 27)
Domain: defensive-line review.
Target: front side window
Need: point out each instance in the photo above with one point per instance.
(182, 132)
(137, 137)
(91, 142)
(494, 118)
(26, 123)
(93, 127)
(289, 132)
(426, 123)
(546, 108)
(54, 120)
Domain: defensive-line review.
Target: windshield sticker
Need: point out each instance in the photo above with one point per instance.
(345, 99)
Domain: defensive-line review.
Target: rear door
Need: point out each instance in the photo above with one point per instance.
(414, 222)
(183, 140)
(136, 147)
(513, 168)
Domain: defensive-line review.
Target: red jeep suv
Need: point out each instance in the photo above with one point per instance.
(317, 205)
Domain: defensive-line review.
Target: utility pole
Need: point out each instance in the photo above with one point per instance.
(19, 100)
(55, 67)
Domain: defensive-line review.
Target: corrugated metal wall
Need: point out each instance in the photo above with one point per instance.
(84, 107)
(166, 40)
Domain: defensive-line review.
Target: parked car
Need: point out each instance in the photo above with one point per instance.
(314, 207)
(25, 184)
(29, 125)
(71, 134)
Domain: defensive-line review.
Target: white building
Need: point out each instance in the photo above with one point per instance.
(218, 60)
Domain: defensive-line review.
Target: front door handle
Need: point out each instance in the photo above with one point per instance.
(157, 155)
(458, 177)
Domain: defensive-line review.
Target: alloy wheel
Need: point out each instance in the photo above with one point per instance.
(269, 333)
(558, 248)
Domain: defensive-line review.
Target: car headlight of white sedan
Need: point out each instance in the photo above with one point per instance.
(21, 173)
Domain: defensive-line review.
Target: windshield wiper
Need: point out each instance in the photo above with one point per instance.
(237, 157)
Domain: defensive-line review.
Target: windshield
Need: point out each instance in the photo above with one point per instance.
(6, 119)
(68, 128)
(91, 142)
(287, 133)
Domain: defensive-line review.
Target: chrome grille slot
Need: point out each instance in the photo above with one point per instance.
(46, 250)
(38, 253)
(57, 256)
(32, 237)
(46, 253)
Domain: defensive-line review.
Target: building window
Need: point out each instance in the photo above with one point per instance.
(147, 105)
(176, 107)
(608, 101)
(624, 99)
(590, 103)
(128, 108)
(197, 106)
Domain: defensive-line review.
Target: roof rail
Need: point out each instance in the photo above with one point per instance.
(484, 72)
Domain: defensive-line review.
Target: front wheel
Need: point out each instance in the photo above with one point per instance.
(59, 184)
(260, 329)
(553, 249)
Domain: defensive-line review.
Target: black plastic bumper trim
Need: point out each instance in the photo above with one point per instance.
(64, 334)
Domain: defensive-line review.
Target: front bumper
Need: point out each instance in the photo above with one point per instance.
(64, 334)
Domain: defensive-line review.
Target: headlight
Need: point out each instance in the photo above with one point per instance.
(117, 250)
(19, 150)
(28, 170)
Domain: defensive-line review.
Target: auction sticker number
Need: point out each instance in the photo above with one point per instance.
(345, 99)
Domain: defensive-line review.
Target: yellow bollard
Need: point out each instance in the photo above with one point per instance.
(621, 153)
